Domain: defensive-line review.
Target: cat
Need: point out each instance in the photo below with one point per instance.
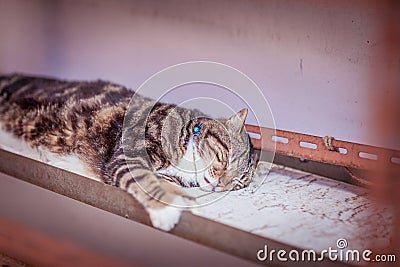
(148, 148)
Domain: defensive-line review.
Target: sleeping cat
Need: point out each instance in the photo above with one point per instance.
(147, 148)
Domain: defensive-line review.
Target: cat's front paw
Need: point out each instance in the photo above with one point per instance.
(164, 218)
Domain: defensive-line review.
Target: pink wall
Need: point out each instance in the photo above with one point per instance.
(312, 59)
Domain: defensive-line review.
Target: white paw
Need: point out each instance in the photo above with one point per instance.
(164, 218)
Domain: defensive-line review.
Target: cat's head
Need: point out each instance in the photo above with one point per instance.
(225, 148)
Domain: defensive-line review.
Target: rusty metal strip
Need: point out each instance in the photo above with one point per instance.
(351, 155)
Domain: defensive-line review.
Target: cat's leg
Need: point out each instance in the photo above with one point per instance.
(173, 184)
(162, 203)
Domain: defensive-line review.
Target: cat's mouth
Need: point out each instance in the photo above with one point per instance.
(223, 184)
(216, 186)
(236, 183)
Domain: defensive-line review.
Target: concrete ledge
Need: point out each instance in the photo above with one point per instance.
(192, 227)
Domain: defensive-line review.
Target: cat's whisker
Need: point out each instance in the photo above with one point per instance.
(206, 194)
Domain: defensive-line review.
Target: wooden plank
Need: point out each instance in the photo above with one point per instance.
(26, 247)
(7, 261)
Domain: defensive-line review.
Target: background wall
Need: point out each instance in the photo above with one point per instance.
(312, 59)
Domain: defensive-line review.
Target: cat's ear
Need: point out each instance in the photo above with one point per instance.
(237, 120)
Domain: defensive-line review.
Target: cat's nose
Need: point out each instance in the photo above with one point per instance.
(224, 180)
(225, 183)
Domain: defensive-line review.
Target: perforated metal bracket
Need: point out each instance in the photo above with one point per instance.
(325, 149)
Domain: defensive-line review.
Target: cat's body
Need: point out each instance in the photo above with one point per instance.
(142, 146)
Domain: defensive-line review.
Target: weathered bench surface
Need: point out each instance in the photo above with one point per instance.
(290, 209)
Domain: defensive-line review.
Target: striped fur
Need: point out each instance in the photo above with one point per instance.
(138, 145)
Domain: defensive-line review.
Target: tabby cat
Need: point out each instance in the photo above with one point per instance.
(147, 148)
